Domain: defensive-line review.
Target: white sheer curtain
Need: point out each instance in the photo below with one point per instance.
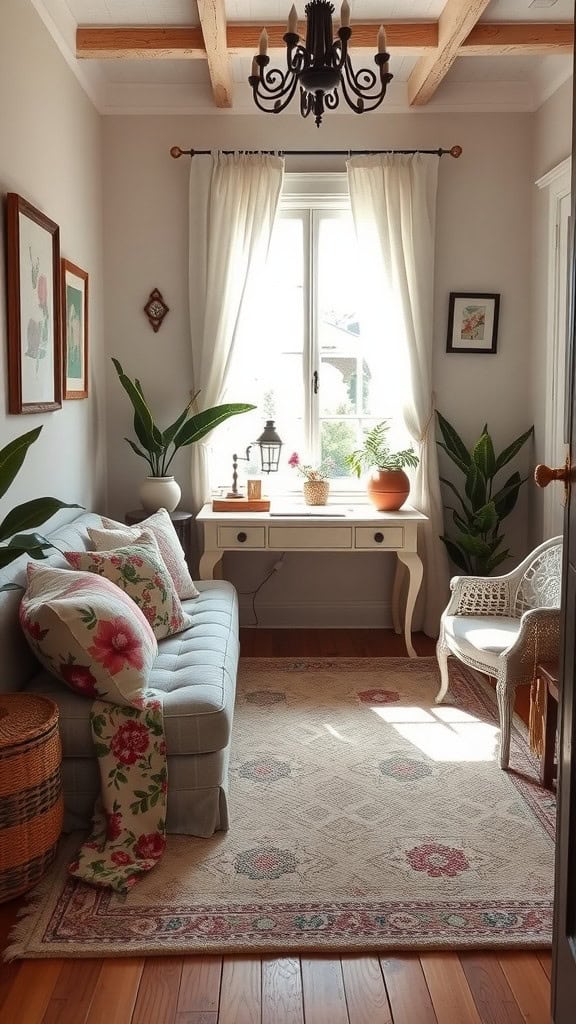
(233, 202)
(393, 200)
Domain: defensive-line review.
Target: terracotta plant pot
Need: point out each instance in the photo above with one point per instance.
(388, 489)
(316, 492)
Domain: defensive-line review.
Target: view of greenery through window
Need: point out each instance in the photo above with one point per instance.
(302, 320)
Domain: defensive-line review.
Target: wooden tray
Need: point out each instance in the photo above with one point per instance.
(241, 505)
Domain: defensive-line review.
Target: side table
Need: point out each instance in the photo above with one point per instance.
(547, 672)
(31, 801)
(182, 524)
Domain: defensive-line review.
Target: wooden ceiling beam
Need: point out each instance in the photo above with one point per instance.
(484, 40)
(188, 43)
(503, 38)
(455, 24)
(213, 24)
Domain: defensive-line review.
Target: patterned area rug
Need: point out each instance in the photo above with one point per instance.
(364, 817)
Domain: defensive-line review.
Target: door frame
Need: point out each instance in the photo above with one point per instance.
(558, 183)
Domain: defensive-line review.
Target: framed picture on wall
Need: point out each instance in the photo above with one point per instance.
(473, 322)
(33, 291)
(75, 330)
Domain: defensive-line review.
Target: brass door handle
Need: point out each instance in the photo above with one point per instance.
(544, 475)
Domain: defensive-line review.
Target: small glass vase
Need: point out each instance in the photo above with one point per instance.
(316, 492)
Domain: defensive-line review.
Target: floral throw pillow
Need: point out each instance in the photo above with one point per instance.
(115, 535)
(88, 633)
(140, 572)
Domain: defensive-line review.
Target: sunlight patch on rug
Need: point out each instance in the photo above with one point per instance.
(364, 817)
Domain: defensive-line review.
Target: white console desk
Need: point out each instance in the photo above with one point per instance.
(336, 528)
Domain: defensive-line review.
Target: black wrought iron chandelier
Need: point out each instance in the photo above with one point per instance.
(319, 67)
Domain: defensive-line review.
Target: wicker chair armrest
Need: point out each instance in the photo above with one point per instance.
(540, 633)
(480, 595)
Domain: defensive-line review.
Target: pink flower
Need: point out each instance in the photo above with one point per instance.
(150, 847)
(130, 742)
(80, 679)
(135, 560)
(150, 611)
(35, 632)
(73, 558)
(120, 858)
(42, 287)
(116, 645)
(294, 460)
(113, 826)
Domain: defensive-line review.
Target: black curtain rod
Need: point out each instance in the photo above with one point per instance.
(454, 151)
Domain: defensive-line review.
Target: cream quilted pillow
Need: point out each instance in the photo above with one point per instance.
(115, 535)
(140, 572)
(88, 632)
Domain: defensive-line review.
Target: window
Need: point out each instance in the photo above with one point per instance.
(302, 354)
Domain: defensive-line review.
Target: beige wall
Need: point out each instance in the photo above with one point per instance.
(552, 140)
(483, 244)
(51, 154)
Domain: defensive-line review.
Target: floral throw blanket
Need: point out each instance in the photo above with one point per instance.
(129, 823)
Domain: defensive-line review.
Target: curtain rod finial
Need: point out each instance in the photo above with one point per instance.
(176, 152)
(456, 151)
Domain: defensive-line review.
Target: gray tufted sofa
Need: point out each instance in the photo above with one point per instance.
(196, 670)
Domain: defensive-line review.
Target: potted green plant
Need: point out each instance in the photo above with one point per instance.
(27, 516)
(476, 547)
(387, 484)
(158, 448)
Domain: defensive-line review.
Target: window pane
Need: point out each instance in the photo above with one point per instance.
(267, 366)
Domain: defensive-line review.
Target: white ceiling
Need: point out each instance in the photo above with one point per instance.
(135, 86)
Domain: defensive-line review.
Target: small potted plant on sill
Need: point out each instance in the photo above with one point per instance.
(158, 448)
(316, 486)
(387, 483)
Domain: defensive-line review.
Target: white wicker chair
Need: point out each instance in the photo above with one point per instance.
(503, 626)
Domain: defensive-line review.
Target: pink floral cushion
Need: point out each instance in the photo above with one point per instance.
(88, 632)
(140, 572)
(115, 535)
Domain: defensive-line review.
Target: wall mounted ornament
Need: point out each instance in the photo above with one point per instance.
(156, 309)
(33, 279)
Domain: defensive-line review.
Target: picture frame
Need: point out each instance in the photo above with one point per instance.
(74, 331)
(33, 295)
(473, 322)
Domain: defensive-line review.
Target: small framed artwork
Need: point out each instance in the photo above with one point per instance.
(75, 330)
(33, 292)
(473, 322)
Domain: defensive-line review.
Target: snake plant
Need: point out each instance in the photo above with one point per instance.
(476, 548)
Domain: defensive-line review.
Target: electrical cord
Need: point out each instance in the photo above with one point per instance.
(254, 593)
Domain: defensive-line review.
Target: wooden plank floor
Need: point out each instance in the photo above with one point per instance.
(430, 988)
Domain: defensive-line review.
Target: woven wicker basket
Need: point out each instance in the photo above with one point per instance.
(31, 802)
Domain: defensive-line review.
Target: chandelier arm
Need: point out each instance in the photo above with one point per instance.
(306, 99)
(275, 104)
(339, 53)
(362, 104)
(274, 84)
(297, 59)
(362, 82)
(331, 100)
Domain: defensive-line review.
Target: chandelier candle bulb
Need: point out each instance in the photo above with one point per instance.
(345, 14)
(263, 42)
(255, 68)
(381, 39)
(293, 20)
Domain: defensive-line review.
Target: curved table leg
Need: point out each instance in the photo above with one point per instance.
(416, 570)
(396, 620)
(208, 563)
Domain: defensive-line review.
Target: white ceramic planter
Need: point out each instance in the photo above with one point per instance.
(160, 492)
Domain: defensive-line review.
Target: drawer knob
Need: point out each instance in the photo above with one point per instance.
(378, 537)
(241, 537)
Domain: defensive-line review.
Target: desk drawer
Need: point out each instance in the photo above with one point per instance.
(379, 537)
(283, 538)
(241, 537)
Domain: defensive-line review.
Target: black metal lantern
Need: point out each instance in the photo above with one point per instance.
(320, 66)
(270, 446)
